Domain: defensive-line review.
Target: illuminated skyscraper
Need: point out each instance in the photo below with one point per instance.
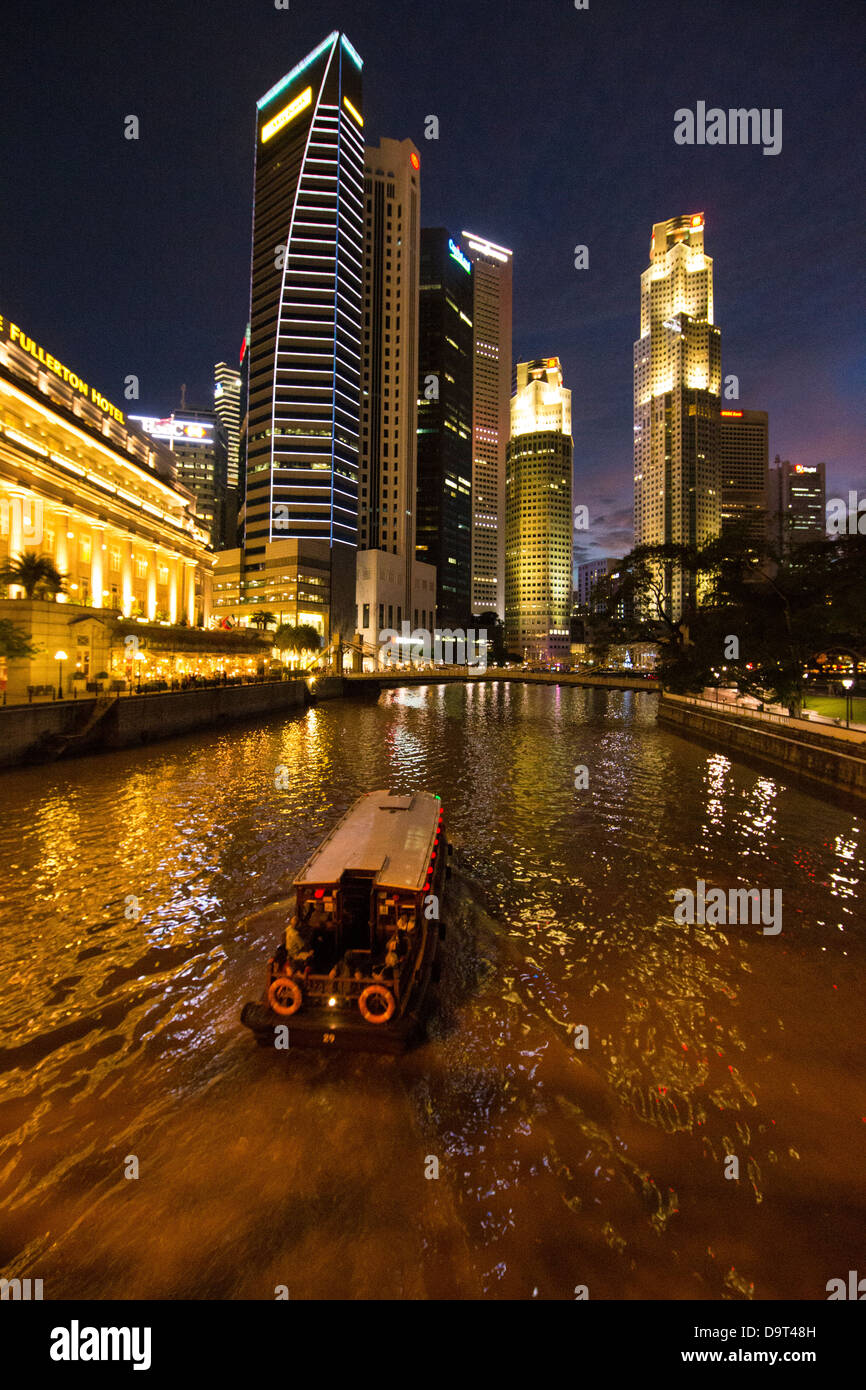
(306, 295)
(444, 526)
(745, 473)
(389, 412)
(538, 515)
(227, 404)
(491, 400)
(798, 507)
(677, 388)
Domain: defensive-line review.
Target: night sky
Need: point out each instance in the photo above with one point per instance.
(556, 128)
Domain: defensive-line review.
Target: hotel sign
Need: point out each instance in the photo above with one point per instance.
(11, 333)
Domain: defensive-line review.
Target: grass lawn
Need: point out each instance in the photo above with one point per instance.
(833, 706)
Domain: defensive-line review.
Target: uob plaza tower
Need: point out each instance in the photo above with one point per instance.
(305, 327)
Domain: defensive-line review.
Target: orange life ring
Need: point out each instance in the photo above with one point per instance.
(279, 989)
(380, 992)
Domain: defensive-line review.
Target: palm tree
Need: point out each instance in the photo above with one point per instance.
(264, 618)
(36, 574)
(303, 638)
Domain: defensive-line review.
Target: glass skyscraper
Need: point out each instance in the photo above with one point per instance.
(306, 304)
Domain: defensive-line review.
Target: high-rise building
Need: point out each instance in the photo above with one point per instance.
(306, 295)
(588, 576)
(491, 405)
(677, 391)
(538, 515)
(227, 404)
(197, 441)
(743, 437)
(444, 522)
(798, 498)
(305, 329)
(389, 396)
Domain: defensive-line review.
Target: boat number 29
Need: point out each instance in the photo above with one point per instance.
(329, 1037)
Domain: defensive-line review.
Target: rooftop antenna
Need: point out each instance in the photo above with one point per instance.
(183, 396)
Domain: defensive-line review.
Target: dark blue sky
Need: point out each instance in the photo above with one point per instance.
(556, 128)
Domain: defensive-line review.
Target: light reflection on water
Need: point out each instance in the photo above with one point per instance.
(124, 968)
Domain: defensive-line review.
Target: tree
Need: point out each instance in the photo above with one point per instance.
(492, 624)
(264, 618)
(36, 574)
(296, 639)
(763, 617)
(15, 645)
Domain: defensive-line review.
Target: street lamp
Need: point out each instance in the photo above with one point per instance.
(60, 656)
(849, 700)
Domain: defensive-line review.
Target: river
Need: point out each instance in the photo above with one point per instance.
(126, 959)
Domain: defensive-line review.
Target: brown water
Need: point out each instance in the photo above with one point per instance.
(558, 1167)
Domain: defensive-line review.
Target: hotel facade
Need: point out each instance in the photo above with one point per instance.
(80, 484)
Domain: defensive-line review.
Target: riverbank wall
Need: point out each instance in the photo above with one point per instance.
(823, 760)
(64, 728)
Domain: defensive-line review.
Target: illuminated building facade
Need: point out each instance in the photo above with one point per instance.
(389, 374)
(227, 404)
(538, 516)
(198, 443)
(81, 484)
(491, 409)
(677, 390)
(445, 373)
(744, 452)
(306, 304)
(798, 500)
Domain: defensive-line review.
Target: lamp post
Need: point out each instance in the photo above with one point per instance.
(60, 656)
(849, 699)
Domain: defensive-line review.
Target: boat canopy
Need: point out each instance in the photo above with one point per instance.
(390, 838)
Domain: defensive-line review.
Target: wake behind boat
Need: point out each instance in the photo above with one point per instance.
(359, 950)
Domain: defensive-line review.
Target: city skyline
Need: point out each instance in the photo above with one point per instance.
(175, 308)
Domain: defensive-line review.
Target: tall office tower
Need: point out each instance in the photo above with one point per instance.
(198, 445)
(389, 359)
(588, 576)
(745, 473)
(391, 583)
(444, 524)
(227, 404)
(491, 406)
(305, 317)
(538, 515)
(677, 389)
(798, 498)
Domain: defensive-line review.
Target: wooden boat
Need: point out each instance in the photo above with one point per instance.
(361, 947)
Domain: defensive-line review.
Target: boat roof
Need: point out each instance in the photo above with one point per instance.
(390, 837)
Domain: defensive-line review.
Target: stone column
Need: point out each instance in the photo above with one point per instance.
(152, 562)
(61, 544)
(189, 582)
(172, 588)
(126, 581)
(96, 566)
(15, 525)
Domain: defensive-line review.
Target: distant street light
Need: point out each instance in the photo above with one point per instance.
(60, 656)
(849, 702)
